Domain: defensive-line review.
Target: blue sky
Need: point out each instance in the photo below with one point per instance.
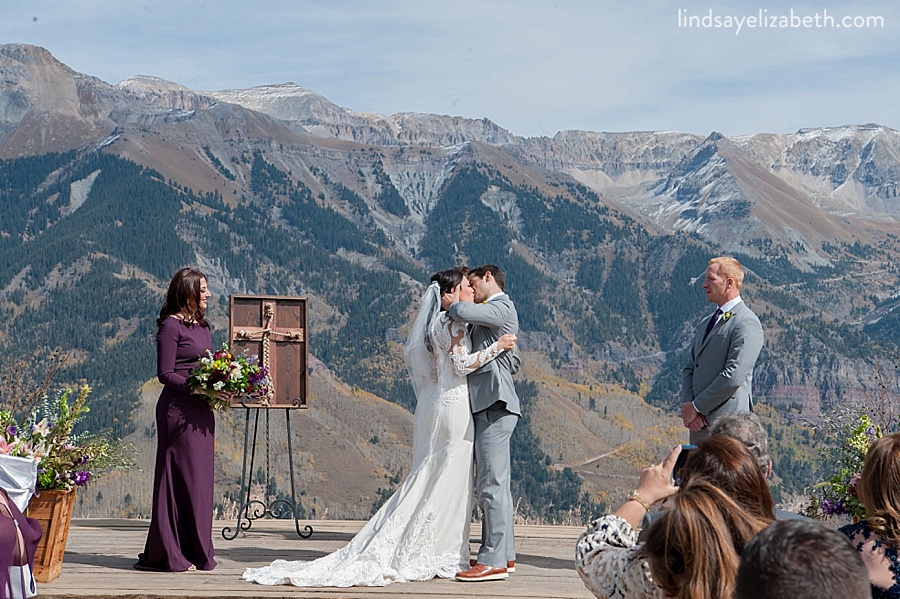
(533, 67)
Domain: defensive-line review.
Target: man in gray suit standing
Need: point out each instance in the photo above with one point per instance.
(496, 411)
(719, 376)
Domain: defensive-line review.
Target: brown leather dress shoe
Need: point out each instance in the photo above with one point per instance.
(510, 565)
(482, 572)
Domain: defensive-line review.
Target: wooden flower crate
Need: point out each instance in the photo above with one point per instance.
(53, 510)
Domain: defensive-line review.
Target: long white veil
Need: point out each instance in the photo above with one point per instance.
(420, 361)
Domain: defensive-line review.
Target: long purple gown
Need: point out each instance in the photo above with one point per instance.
(181, 523)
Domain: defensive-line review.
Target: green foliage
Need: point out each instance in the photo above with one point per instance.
(389, 198)
(589, 279)
(218, 164)
(674, 295)
(541, 492)
(129, 214)
(664, 392)
(66, 460)
(837, 494)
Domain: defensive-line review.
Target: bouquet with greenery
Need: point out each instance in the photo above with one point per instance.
(222, 375)
(836, 496)
(64, 459)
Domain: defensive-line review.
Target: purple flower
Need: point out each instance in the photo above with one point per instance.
(81, 478)
(833, 508)
(11, 431)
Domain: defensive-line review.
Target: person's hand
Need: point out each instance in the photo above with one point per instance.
(226, 396)
(449, 298)
(507, 341)
(656, 481)
(688, 413)
(698, 424)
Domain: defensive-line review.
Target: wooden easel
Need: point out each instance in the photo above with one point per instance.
(275, 329)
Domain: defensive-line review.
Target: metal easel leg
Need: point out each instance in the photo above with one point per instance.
(260, 509)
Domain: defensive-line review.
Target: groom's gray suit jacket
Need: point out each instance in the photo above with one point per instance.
(719, 376)
(492, 382)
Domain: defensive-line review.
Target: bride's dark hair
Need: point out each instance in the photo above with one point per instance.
(446, 281)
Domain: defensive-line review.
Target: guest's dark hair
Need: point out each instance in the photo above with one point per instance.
(734, 469)
(747, 428)
(495, 272)
(693, 549)
(879, 488)
(801, 559)
(184, 296)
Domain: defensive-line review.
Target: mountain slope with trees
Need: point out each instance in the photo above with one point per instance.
(607, 294)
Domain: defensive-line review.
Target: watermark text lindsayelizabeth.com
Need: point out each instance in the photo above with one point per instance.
(781, 19)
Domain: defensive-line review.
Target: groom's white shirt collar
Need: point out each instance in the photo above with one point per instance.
(498, 294)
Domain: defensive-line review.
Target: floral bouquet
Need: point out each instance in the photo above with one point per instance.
(64, 460)
(837, 495)
(222, 374)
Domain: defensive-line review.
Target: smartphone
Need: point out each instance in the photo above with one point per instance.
(682, 458)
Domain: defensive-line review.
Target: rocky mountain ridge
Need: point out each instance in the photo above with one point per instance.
(276, 189)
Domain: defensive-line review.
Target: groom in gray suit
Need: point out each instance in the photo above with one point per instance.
(718, 378)
(495, 409)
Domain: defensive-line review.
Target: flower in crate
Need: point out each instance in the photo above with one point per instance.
(64, 459)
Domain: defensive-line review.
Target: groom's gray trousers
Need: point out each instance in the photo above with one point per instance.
(493, 429)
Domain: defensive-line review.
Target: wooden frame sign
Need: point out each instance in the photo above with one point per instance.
(275, 329)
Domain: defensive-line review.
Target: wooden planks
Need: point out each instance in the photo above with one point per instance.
(100, 554)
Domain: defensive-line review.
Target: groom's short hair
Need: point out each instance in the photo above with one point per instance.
(495, 271)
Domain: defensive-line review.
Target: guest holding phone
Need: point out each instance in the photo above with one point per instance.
(611, 561)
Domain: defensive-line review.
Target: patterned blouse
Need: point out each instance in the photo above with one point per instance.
(881, 561)
(604, 557)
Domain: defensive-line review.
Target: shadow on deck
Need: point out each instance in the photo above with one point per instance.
(100, 554)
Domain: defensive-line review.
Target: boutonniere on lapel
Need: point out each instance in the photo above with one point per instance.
(726, 316)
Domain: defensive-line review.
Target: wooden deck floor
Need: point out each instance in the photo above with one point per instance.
(100, 553)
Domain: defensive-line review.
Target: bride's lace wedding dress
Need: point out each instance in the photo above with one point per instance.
(423, 529)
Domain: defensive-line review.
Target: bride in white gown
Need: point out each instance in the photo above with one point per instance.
(423, 529)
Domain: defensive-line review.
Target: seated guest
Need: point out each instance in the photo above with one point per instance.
(877, 538)
(747, 428)
(607, 553)
(694, 547)
(733, 468)
(729, 465)
(801, 560)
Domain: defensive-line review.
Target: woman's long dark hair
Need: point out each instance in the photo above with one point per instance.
(184, 290)
(735, 470)
(694, 548)
(446, 280)
(879, 489)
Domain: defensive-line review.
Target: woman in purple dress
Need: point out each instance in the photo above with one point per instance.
(19, 537)
(180, 536)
